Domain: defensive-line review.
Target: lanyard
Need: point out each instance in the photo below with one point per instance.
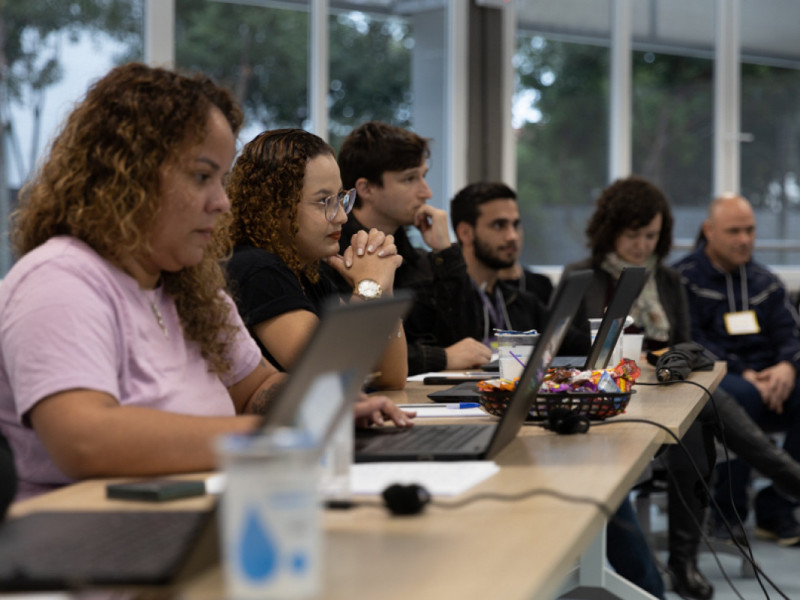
(493, 310)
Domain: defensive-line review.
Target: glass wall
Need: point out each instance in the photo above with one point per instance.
(259, 52)
(673, 134)
(370, 71)
(260, 49)
(51, 52)
(561, 123)
(771, 158)
(770, 125)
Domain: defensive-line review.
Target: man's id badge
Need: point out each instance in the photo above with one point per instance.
(743, 322)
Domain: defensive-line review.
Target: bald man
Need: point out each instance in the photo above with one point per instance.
(741, 311)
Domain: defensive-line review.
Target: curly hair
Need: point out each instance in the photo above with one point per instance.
(100, 183)
(265, 186)
(629, 203)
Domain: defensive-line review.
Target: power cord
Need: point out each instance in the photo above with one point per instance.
(411, 499)
(747, 553)
(746, 549)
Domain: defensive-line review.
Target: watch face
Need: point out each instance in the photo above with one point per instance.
(368, 288)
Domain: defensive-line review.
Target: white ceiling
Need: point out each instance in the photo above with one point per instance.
(769, 28)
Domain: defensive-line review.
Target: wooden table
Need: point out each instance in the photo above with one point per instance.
(675, 405)
(488, 549)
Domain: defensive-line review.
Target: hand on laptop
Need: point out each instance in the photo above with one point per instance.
(467, 353)
(374, 410)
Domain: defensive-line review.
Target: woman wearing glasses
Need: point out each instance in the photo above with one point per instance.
(288, 211)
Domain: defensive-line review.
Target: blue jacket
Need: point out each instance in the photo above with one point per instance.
(713, 292)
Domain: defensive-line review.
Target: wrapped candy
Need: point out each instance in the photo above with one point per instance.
(559, 380)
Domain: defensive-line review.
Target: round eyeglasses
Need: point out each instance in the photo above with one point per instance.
(344, 198)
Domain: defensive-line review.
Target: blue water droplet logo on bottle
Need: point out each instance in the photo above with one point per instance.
(259, 557)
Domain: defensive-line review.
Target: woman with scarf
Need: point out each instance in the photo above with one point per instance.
(632, 226)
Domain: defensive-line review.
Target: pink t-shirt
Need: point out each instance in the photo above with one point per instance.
(70, 319)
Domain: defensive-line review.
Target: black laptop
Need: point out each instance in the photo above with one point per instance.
(474, 442)
(628, 289)
(79, 549)
(629, 286)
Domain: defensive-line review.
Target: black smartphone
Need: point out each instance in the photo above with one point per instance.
(155, 490)
(444, 380)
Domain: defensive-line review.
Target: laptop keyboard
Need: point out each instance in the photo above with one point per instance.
(428, 437)
(67, 549)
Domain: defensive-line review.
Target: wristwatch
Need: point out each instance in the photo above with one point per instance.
(368, 289)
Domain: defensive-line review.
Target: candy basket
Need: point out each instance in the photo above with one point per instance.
(595, 405)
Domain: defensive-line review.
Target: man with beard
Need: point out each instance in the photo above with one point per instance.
(387, 166)
(485, 218)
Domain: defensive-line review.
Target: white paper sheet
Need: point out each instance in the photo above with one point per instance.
(439, 478)
(444, 411)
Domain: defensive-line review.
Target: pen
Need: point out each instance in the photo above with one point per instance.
(453, 405)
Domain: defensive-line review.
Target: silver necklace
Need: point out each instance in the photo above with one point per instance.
(159, 318)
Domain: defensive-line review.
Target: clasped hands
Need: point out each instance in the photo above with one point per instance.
(371, 255)
(774, 383)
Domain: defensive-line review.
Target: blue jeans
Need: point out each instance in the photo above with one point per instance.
(731, 490)
(628, 552)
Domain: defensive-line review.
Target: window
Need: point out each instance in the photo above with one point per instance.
(370, 71)
(770, 155)
(260, 53)
(561, 120)
(673, 134)
(53, 52)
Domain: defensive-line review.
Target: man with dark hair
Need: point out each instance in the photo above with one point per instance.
(486, 220)
(485, 217)
(387, 166)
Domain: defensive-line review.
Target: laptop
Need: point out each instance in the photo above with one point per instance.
(78, 549)
(629, 286)
(628, 289)
(475, 442)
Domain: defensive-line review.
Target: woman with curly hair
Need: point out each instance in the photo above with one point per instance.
(120, 353)
(288, 211)
(632, 225)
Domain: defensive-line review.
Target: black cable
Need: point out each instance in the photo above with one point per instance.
(746, 550)
(348, 504)
(528, 494)
(746, 554)
(685, 504)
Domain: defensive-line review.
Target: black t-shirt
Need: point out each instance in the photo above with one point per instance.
(8, 476)
(264, 287)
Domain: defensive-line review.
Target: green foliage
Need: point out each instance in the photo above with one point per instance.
(771, 115)
(263, 56)
(672, 125)
(562, 155)
(370, 73)
(32, 29)
(562, 158)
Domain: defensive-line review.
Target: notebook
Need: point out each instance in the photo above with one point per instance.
(78, 549)
(628, 289)
(475, 442)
